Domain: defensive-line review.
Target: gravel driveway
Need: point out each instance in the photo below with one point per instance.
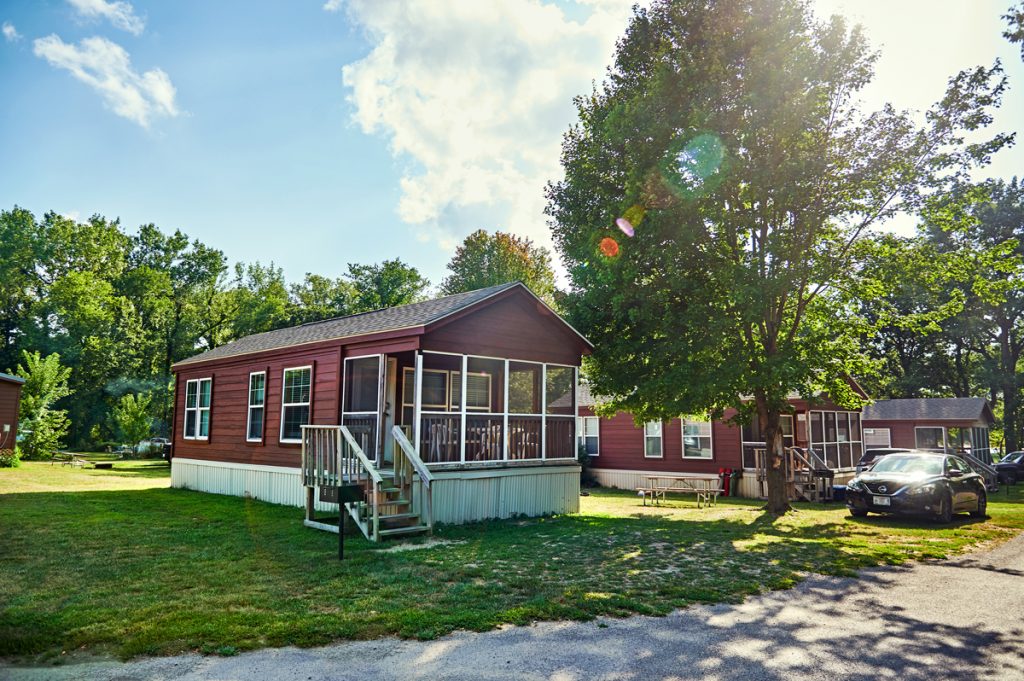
(961, 619)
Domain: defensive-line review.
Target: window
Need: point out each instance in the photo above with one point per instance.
(589, 430)
(295, 401)
(257, 401)
(435, 389)
(478, 391)
(696, 438)
(877, 437)
(753, 438)
(197, 408)
(836, 437)
(652, 440)
(930, 437)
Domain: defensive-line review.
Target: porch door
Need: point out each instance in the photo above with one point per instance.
(362, 401)
(390, 408)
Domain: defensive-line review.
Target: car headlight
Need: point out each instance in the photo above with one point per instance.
(855, 485)
(923, 489)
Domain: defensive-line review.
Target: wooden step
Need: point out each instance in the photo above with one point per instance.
(399, 516)
(403, 530)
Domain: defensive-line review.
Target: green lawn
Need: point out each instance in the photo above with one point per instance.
(116, 562)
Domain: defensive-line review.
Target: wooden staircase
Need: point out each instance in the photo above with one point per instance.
(382, 502)
(808, 478)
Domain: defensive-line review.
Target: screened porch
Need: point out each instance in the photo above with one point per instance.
(461, 410)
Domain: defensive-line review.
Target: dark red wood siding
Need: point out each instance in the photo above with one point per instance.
(516, 326)
(229, 405)
(10, 394)
(901, 433)
(621, 447)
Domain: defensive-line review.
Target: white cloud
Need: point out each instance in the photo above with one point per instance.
(10, 33)
(120, 14)
(475, 98)
(106, 67)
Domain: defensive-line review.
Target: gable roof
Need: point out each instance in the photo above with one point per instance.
(11, 379)
(930, 409)
(411, 316)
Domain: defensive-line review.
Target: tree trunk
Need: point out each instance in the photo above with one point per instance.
(775, 474)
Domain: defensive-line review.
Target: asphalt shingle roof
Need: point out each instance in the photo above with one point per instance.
(377, 321)
(927, 408)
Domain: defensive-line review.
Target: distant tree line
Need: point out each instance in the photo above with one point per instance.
(119, 309)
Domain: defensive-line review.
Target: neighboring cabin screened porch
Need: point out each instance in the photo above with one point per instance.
(461, 409)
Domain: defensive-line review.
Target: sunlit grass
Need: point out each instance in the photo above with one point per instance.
(115, 561)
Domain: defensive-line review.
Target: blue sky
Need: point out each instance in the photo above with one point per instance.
(314, 136)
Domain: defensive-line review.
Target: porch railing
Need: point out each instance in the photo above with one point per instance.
(407, 466)
(330, 457)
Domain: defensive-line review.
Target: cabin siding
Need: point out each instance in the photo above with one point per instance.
(10, 397)
(230, 403)
(515, 326)
(902, 433)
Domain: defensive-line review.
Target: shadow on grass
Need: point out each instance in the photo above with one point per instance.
(160, 571)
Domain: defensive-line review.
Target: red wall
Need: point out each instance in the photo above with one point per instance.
(621, 447)
(229, 405)
(901, 433)
(10, 394)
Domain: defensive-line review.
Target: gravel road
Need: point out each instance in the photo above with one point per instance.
(962, 619)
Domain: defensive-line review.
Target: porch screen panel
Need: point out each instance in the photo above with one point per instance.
(560, 394)
(485, 405)
(362, 401)
(524, 405)
(440, 409)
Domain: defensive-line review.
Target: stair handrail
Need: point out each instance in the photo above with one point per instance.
(410, 452)
(368, 465)
(975, 462)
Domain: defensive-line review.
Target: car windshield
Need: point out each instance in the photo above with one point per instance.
(896, 463)
(1015, 457)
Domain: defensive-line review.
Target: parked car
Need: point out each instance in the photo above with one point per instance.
(159, 446)
(1010, 468)
(918, 483)
(872, 455)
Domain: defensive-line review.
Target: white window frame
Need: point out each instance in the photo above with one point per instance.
(456, 376)
(581, 431)
(945, 438)
(196, 410)
(711, 436)
(263, 407)
(284, 405)
(442, 408)
(877, 431)
(661, 438)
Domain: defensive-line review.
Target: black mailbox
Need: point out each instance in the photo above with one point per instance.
(342, 494)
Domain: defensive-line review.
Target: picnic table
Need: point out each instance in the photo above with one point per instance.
(705, 489)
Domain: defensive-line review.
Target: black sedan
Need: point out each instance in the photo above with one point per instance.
(918, 483)
(1010, 468)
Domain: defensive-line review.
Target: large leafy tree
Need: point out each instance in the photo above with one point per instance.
(46, 382)
(390, 283)
(729, 135)
(318, 297)
(490, 259)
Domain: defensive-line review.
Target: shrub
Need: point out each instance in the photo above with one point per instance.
(9, 458)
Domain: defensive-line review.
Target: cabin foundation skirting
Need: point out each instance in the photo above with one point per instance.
(458, 496)
(631, 480)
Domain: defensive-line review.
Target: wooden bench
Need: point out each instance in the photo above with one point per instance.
(706, 490)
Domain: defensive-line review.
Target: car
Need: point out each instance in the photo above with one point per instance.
(1010, 468)
(872, 455)
(918, 483)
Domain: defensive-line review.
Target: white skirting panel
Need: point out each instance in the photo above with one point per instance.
(620, 479)
(458, 496)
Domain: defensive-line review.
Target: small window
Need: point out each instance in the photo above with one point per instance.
(478, 391)
(652, 440)
(257, 402)
(295, 402)
(434, 389)
(198, 393)
(696, 439)
(589, 431)
(930, 438)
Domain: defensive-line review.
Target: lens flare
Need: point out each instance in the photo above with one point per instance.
(635, 214)
(693, 167)
(624, 225)
(609, 247)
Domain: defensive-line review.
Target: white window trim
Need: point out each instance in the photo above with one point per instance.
(661, 444)
(945, 436)
(581, 426)
(429, 408)
(248, 416)
(451, 391)
(876, 431)
(711, 436)
(284, 385)
(196, 410)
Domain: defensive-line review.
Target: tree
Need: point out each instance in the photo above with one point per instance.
(728, 135)
(488, 260)
(46, 382)
(385, 285)
(131, 417)
(981, 227)
(319, 297)
(1014, 18)
(20, 248)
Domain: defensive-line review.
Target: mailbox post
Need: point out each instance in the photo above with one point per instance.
(346, 494)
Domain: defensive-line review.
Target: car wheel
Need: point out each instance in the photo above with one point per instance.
(858, 513)
(982, 508)
(945, 514)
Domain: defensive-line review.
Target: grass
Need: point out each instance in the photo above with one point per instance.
(116, 562)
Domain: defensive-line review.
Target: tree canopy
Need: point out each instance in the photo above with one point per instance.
(486, 259)
(715, 187)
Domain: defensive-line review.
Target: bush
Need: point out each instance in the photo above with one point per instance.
(9, 458)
